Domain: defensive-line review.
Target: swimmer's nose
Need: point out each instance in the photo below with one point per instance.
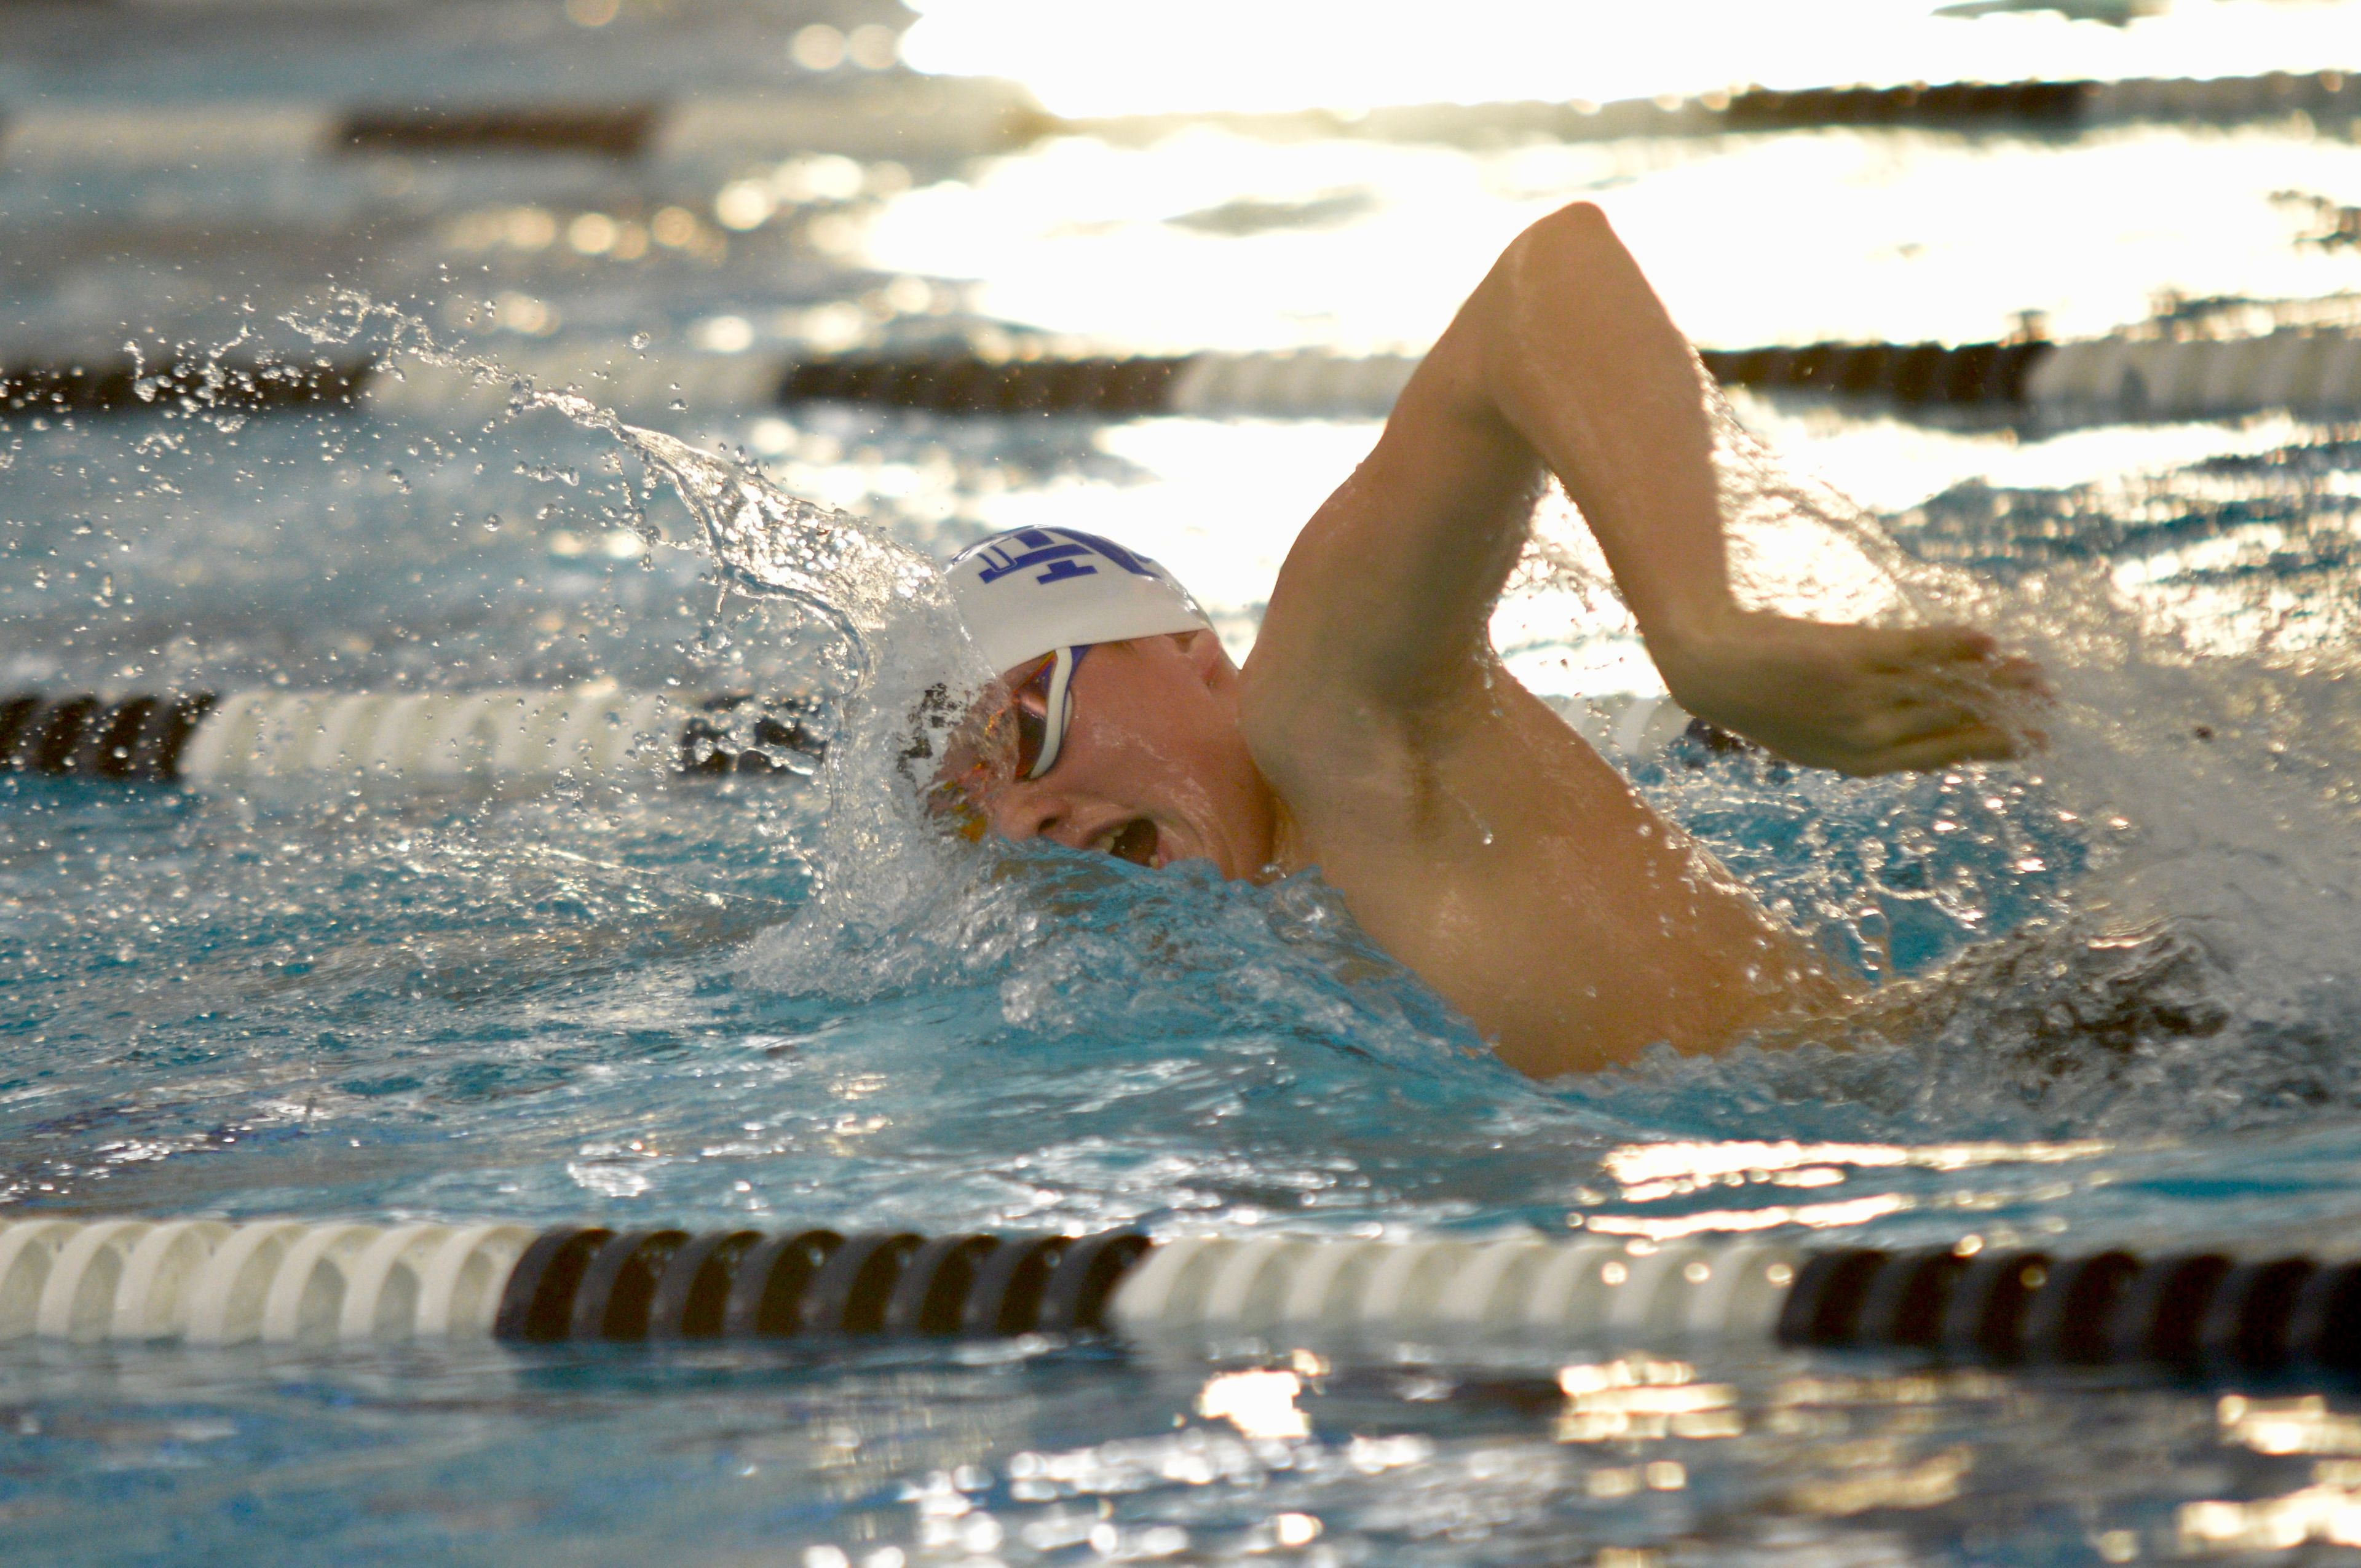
(1021, 814)
(1045, 811)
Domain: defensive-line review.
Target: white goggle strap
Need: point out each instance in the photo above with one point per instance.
(1055, 711)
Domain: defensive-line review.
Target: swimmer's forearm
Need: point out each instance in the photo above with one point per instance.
(1562, 358)
(1579, 358)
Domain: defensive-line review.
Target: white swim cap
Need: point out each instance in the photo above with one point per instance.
(1032, 590)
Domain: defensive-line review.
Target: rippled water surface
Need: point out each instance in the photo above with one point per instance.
(2119, 982)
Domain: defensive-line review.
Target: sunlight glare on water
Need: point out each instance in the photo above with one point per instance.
(1212, 239)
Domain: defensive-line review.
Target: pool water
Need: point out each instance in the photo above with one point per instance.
(768, 999)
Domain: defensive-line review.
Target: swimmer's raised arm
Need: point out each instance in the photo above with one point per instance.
(1564, 359)
(1372, 733)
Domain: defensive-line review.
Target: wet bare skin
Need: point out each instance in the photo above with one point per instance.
(1374, 734)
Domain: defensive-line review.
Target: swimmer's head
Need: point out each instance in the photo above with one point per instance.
(1113, 725)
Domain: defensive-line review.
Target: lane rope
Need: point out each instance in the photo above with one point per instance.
(2330, 99)
(2313, 371)
(208, 1282)
(207, 740)
(903, 114)
(892, 114)
(224, 742)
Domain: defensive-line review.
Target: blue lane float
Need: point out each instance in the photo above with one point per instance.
(205, 1282)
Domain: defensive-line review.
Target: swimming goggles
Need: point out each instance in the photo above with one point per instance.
(1040, 707)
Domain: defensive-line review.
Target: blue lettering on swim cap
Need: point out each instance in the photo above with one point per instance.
(1112, 551)
(1058, 560)
(1041, 552)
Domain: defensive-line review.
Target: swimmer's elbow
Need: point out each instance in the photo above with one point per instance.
(1554, 265)
(1588, 218)
(1577, 234)
(1575, 244)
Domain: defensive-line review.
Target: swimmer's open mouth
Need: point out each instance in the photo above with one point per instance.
(1134, 841)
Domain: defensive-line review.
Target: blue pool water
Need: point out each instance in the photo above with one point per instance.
(703, 1001)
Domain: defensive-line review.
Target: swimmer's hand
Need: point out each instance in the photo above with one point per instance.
(1861, 699)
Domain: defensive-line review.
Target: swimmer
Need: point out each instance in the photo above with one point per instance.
(1373, 734)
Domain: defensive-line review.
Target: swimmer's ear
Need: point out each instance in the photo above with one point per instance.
(1206, 655)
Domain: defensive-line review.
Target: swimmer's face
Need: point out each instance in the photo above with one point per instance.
(1152, 768)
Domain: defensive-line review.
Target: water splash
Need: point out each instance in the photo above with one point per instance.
(907, 667)
(912, 672)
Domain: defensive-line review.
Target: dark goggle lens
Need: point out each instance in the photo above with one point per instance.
(1030, 708)
(1032, 734)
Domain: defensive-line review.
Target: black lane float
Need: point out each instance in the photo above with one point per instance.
(2200, 1313)
(594, 1283)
